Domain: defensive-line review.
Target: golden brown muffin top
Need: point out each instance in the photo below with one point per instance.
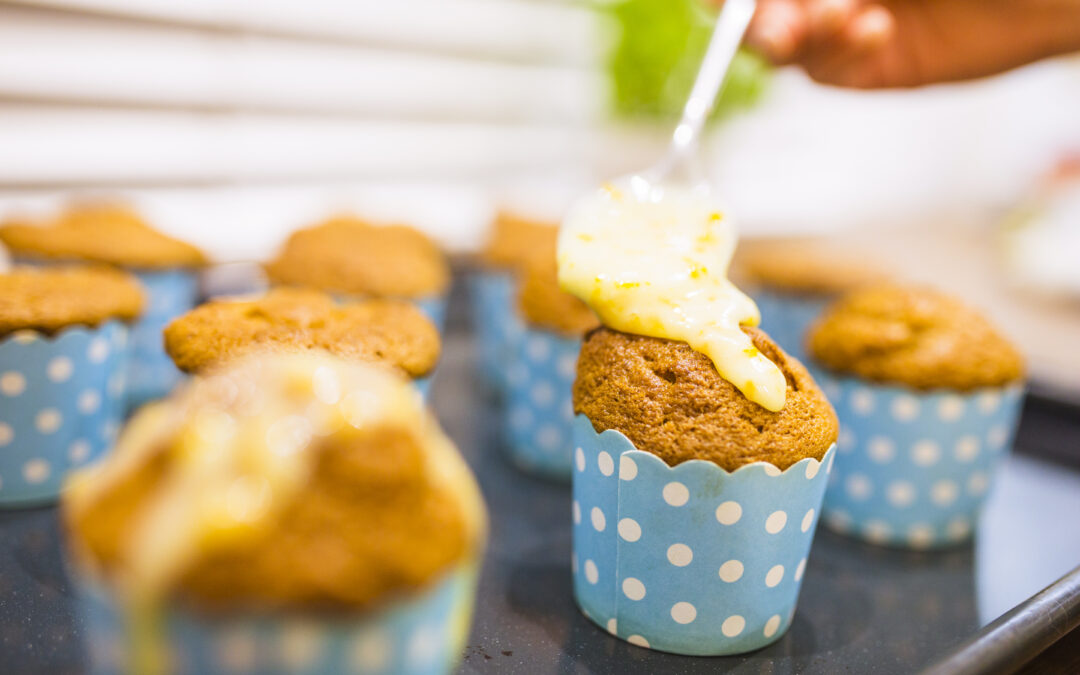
(669, 400)
(544, 304)
(102, 233)
(350, 256)
(50, 299)
(807, 266)
(913, 336)
(372, 501)
(390, 332)
(515, 239)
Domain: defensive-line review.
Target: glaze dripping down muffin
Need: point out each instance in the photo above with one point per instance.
(296, 483)
(669, 400)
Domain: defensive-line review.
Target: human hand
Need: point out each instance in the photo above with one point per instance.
(904, 43)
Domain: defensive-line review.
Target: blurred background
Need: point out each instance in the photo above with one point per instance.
(232, 122)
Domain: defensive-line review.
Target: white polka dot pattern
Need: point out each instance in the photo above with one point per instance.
(919, 464)
(150, 372)
(54, 404)
(417, 636)
(539, 418)
(693, 547)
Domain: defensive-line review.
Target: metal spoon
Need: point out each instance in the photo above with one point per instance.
(680, 163)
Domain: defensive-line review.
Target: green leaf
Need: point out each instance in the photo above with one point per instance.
(656, 55)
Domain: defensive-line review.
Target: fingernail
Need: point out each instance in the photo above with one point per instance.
(775, 40)
(872, 27)
(830, 14)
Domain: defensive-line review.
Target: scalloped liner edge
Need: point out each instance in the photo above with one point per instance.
(768, 469)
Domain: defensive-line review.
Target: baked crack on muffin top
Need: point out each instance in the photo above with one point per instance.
(913, 336)
(669, 400)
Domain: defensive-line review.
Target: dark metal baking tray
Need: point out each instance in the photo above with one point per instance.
(862, 610)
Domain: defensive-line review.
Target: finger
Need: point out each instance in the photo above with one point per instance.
(870, 29)
(778, 30)
(826, 18)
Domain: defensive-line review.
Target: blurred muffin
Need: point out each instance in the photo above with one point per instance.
(928, 394)
(792, 280)
(807, 266)
(915, 337)
(99, 232)
(50, 300)
(540, 369)
(244, 495)
(63, 346)
(496, 321)
(514, 239)
(346, 255)
(116, 235)
(546, 306)
(669, 400)
(696, 481)
(389, 332)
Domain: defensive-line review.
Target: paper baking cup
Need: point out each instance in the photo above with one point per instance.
(914, 468)
(151, 373)
(538, 414)
(424, 635)
(493, 316)
(423, 385)
(61, 402)
(690, 559)
(434, 308)
(786, 317)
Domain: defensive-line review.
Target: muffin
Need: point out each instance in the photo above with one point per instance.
(694, 507)
(63, 346)
(792, 279)
(388, 332)
(222, 534)
(351, 258)
(496, 322)
(116, 235)
(541, 369)
(698, 442)
(514, 239)
(928, 393)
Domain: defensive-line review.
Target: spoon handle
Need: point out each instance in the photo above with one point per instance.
(727, 34)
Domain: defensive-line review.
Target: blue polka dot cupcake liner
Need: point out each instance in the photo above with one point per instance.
(431, 306)
(423, 385)
(61, 404)
(690, 559)
(786, 318)
(914, 468)
(151, 373)
(422, 635)
(539, 414)
(434, 308)
(492, 313)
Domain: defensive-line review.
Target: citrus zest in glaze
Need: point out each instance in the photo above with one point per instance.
(654, 262)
